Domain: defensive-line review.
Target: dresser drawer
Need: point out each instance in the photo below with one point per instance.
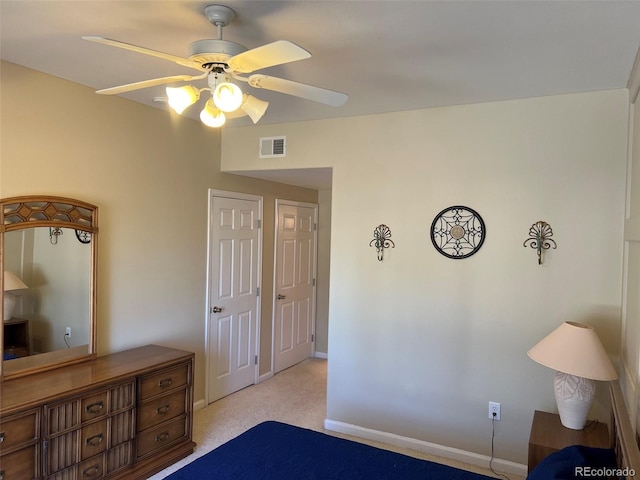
(161, 409)
(19, 429)
(93, 407)
(162, 436)
(163, 381)
(92, 468)
(19, 465)
(93, 439)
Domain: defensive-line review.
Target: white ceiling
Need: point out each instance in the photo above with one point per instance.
(387, 55)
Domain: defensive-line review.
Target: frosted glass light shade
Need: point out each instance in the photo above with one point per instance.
(181, 97)
(227, 96)
(254, 107)
(211, 116)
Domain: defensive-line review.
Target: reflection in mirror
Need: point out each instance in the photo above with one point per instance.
(56, 267)
(48, 245)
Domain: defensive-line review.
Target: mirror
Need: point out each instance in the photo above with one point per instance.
(49, 251)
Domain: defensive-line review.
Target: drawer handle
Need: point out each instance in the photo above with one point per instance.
(163, 437)
(91, 471)
(95, 408)
(1, 437)
(94, 441)
(165, 383)
(1, 474)
(164, 409)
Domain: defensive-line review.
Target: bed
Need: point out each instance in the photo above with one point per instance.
(275, 451)
(278, 451)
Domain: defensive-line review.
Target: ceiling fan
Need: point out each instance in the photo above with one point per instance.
(222, 62)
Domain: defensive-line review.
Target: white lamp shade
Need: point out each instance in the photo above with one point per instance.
(181, 97)
(574, 348)
(12, 282)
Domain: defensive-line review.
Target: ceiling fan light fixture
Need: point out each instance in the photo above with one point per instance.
(211, 116)
(254, 107)
(227, 96)
(181, 97)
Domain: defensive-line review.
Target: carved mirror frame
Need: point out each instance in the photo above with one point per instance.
(18, 213)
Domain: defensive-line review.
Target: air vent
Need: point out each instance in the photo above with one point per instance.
(271, 147)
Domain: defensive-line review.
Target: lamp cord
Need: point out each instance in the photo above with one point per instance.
(493, 433)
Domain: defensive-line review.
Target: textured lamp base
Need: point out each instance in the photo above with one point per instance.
(574, 397)
(9, 305)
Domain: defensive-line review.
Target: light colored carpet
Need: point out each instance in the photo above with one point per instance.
(296, 396)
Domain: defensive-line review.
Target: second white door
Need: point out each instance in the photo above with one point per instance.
(294, 286)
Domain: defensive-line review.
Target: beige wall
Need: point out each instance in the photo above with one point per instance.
(149, 173)
(419, 343)
(324, 262)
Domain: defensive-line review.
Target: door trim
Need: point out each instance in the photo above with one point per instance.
(213, 193)
(279, 202)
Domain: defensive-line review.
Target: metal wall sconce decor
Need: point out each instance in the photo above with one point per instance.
(382, 240)
(539, 238)
(54, 233)
(457, 232)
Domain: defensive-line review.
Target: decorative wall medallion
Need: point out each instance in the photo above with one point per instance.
(83, 236)
(457, 232)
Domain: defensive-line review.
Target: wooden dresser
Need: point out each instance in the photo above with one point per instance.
(121, 416)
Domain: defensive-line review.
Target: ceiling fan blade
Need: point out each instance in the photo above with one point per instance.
(146, 51)
(302, 90)
(268, 55)
(145, 84)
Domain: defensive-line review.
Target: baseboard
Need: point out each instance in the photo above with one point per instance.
(265, 376)
(322, 355)
(199, 405)
(450, 453)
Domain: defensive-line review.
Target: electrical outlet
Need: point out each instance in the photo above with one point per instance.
(67, 332)
(494, 410)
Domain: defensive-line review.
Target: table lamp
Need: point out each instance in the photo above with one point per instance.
(575, 352)
(11, 282)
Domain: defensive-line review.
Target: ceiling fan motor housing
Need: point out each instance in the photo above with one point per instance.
(214, 51)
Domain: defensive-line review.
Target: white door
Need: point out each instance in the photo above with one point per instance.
(233, 294)
(294, 285)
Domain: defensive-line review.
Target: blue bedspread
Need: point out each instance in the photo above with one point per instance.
(277, 451)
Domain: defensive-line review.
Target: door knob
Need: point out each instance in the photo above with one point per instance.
(216, 309)
(280, 296)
